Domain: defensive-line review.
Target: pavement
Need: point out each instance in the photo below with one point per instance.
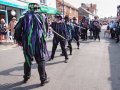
(95, 66)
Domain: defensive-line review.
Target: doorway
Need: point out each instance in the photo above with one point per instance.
(2, 15)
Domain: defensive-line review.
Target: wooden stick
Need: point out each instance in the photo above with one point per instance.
(58, 34)
(79, 26)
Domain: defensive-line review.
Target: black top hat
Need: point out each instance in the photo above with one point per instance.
(95, 17)
(66, 17)
(33, 6)
(74, 18)
(58, 15)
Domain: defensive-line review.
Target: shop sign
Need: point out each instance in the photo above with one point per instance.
(13, 13)
(14, 3)
(48, 10)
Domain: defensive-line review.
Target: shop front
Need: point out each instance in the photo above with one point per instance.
(11, 8)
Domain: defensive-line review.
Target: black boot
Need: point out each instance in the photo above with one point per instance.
(45, 82)
(78, 44)
(27, 72)
(99, 38)
(62, 54)
(116, 41)
(42, 73)
(50, 59)
(66, 60)
(70, 53)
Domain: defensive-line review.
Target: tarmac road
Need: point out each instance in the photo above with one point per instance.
(95, 66)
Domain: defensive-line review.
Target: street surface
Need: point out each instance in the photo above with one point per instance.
(95, 66)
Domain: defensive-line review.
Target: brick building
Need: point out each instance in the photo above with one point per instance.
(88, 10)
(68, 9)
(90, 7)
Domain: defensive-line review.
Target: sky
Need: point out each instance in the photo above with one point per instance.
(106, 8)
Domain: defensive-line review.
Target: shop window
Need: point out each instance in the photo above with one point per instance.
(75, 12)
(2, 7)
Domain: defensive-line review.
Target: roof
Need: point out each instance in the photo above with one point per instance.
(87, 11)
(68, 4)
(90, 8)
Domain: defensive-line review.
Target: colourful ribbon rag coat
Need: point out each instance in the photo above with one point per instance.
(31, 31)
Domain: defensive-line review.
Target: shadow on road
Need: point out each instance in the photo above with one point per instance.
(8, 71)
(10, 86)
(47, 64)
(27, 87)
(15, 86)
(114, 57)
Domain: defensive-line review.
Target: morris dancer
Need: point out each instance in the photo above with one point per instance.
(96, 28)
(85, 25)
(59, 28)
(91, 30)
(76, 32)
(117, 31)
(30, 33)
(69, 28)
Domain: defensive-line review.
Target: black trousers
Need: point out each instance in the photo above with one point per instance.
(77, 39)
(84, 34)
(62, 44)
(96, 34)
(112, 33)
(117, 35)
(70, 45)
(91, 33)
(41, 67)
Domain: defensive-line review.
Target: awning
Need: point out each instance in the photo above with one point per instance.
(49, 10)
(14, 3)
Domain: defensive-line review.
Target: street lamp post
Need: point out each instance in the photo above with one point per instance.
(63, 10)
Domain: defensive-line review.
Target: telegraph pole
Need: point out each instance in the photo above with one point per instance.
(63, 10)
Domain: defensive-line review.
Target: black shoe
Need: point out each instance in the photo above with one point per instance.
(83, 40)
(116, 41)
(70, 53)
(45, 82)
(25, 80)
(78, 48)
(99, 39)
(94, 39)
(50, 59)
(68, 47)
(62, 54)
(66, 60)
